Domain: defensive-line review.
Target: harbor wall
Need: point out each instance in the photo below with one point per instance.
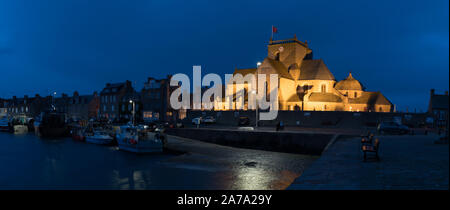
(289, 142)
(334, 119)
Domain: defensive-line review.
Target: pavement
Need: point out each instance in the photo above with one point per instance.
(238, 168)
(409, 162)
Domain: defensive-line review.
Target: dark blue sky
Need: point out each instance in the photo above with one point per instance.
(400, 48)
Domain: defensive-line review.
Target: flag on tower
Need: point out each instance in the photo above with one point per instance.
(274, 30)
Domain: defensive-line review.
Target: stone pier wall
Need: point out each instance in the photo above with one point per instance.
(289, 142)
(313, 118)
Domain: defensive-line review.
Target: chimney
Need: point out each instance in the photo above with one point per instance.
(432, 92)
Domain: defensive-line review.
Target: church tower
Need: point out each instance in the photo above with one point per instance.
(290, 52)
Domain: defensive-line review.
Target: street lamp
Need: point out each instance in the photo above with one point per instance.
(256, 108)
(53, 101)
(132, 102)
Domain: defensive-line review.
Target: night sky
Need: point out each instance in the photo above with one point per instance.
(400, 48)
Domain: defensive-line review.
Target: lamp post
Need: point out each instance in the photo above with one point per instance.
(256, 98)
(256, 108)
(133, 112)
(53, 101)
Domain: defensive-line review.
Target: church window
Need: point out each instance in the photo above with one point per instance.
(324, 88)
(277, 56)
(300, 89)
(380, 109)
(356, 94)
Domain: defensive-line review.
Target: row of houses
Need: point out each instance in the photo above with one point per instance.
(116, 102)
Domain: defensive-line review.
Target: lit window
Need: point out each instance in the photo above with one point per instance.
(324, 88)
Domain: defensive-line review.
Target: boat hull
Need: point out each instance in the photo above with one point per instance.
(5, 128)
(101, 141)
(20, 129)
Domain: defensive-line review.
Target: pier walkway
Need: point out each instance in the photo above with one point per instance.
(407, 162)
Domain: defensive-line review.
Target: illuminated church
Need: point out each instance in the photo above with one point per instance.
(307, 84)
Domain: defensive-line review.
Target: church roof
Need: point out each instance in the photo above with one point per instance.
(279, 68)
(370, 98)
(275, 64)
(349, 83)
(324, 97)
(315, 70)
(244, 71)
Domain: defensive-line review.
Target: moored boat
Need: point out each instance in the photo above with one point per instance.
(4, 125)
(78, 133)
(99, 137)
(18, 124)
(140, 140)
(53, 124)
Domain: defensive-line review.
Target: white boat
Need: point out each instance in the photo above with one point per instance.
(19, 124)
(20, 129)
(140, 140)
(99, 137)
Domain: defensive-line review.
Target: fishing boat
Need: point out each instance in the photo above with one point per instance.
(4, 125)
(140, 140)
(36, 125)
(99, 137)
(53, 124)
(78, 133)
(19, 124)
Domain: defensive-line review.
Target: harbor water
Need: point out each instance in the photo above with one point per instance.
(29, 162)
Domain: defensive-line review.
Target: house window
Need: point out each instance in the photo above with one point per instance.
(324, 88)
(112, 108)
(104, 108)
(148, 114)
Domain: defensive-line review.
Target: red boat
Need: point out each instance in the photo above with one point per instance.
(78, 133)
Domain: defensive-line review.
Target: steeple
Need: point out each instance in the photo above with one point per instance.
(350, 76)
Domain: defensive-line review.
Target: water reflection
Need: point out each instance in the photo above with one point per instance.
(28, 162)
